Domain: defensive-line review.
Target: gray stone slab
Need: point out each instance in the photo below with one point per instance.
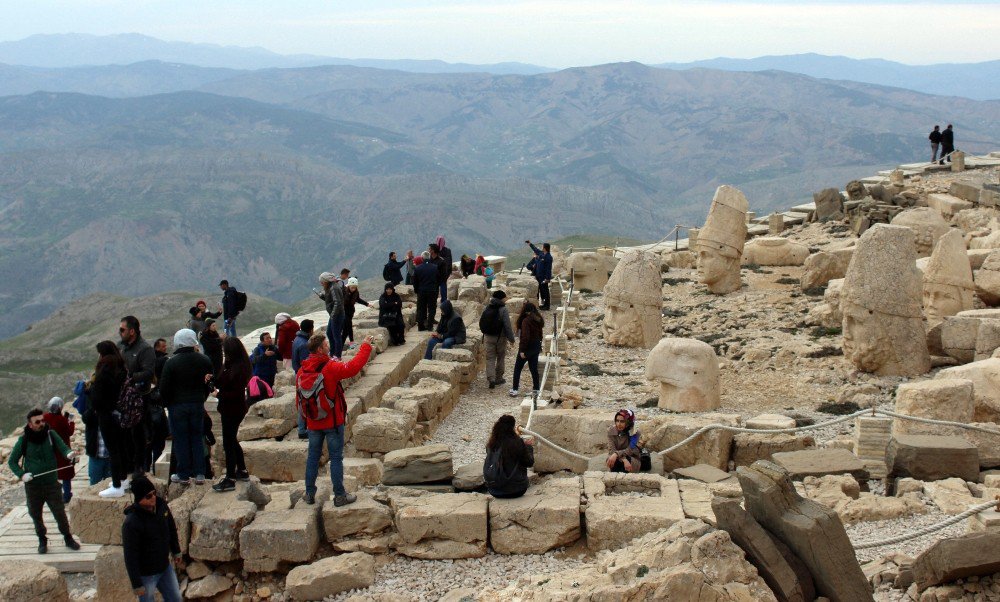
(702, 472)
(819, 462)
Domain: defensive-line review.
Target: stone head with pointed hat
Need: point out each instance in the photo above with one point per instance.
(633, 301)
(948, 284)
(720, 241)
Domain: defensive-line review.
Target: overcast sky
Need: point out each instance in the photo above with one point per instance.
(553, 33)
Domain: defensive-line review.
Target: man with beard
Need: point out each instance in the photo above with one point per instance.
(140, 362)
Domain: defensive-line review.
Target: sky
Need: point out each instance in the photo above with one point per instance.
(553, 33)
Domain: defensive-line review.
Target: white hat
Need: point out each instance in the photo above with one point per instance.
(55, 405)
(352, 281)
(327, 277)
(281, 318)
(185, 337)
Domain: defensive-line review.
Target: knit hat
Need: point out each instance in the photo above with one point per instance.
(725, 228)
(352, 281)
(327, 277)
(55, 405)
(141, 486)
(185, 337)
(281, 318)
(498, 294)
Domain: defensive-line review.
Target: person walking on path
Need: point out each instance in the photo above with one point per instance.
(393, 270)
(543, 271)
(320, 397)
(935, 138)
(530, 331)
(390, 315)
(333, 297)
(352, 296)
(211, 344)
(947, 144)
(425, 285)
(450, 331)
(184, 388)
(232, 395)
(149, 543)
(63, 425)
(35, 453)
(140, 363)
(230, 307)
(494, 323)
(265, 359)
(285, 330)
(109, 377)
(508, 458)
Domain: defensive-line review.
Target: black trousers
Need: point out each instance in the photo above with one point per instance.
(114, 440)
(49, 494)
(231, 445)
(426, 309)
(543, 293)
(348, 329)
(158, 431)
(531, 358)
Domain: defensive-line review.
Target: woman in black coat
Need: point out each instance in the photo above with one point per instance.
(109, 376)
(390, 314)
(508, 458)
(211, 344)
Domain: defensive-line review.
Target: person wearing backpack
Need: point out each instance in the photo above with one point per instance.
(232, 396)
(140, 364)
(184, 387)
(232, 299)
(494, 323)
(36, 453)
(319, 396)
(508, 458)
(105, 391)
(393, 270)
(265, 359)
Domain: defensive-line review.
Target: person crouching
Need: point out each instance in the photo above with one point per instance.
(624, 454)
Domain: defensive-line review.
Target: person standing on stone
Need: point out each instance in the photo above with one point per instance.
(149, 543)
(935, 138)
(494, 323)
(333, 297)
(352, 296)
(409, 268)
(426, 286)
(98, 458)
(393, 270)
(159, 430)
(230, 307)
(624, 454)
(36, 453)
(508, 458)
(300, 351)
(62, 424)
(530, 331)
(320, 397)
(211, 344)
(232, 395)
(390, 314)
(285, 329)
(140, 363)
(450, 331)
(109, 377)
(543, 272)
(265, 359)
(184, 387)
(443, 266)
(947, 144)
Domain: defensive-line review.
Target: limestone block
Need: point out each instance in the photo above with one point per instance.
(97, 520)
(31, 580)
(988, 444)
(330, 576)
(824, 266)
(951, 496)
(819, 462)
(541, 520)
(253, 428)
(710, 448)
(984, 521)
(831, 490)
(216, 524)
(469, 478)
(590, 270)
(955, 558)
(277, 460)
(449, 372)
(381, 336)
(774, 251)
(681, 260)
(829, 204)
(282, 407)
(383, 430)
(463, 357)
(946, 204)
(112, 580)
(444, 525)
(276, 537)
(775, 224)
(799, 523)
(937, 399)
(688, 373)
(987, 279)
(182, 507)
(770, 421)
(696, 500)
(582, 431)
(985, 377)
(965, 190)
(208, 586)
(927, 225)
(431, 396)
(932, 457)
(987, 338)
(701, 472)
(633, 301)
(958, 337)
(364, 517)
(868, 508)
(472, 291)
(720, 241)
(615, 520)
(424, 464)
(368, 471)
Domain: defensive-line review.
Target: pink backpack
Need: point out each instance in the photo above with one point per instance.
(258, 389)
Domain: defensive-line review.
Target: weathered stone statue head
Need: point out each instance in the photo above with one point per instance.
(633, 301)
(948, 284)
(688, 372)
(590, 270)
(927, 225)
(881, 304)
(720, 241)
(774, 250)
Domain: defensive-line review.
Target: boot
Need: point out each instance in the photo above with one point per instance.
(43, 545)
(71, 543)
(343, 500)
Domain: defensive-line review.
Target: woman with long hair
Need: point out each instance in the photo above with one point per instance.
(352, 296)
(211, 344)
(109, 377)
(232, 394)
(530, 331)
(507, 460)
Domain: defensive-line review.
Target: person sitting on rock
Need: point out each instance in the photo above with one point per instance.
(508, 458)
(450, 330)
(264, 359)
(467, 265)
(623, 445)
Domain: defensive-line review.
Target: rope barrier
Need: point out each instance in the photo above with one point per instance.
(926, 530)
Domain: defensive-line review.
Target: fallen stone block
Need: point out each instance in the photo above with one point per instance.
(750, 447)
(946, 560)
(208, 586)
(444, 525)
(432, 397)
(985, 377)
(951, 496)
(988, 444)
(98, 520)
(383, 430)
(770, 421)
(424, 464)
(282, 407)
(544, 518)
(868, 508)
(946, 204)
(449, 372)
(331, 576)
(819, 462)
(932, 457)
(613, 520)
(112, 580)
(253, 428)
(182, 507)
(31, 580)
(277, 460)
(702, 472)
(468, 478)
(988, 520)
(710, 448)
(696, 500)
(364, 517)
(581, 431)
(279, 537)
(368, 471)
(938, 399)
(216, 524)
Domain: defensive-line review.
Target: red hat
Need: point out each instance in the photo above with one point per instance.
(418, 260)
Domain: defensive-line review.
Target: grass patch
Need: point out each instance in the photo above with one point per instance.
(838, 408)
(826, 351)
(710, 338)
(642, 571)
(590, 369)
(815, 291)
(824, 331)
(673, 313)
(787, 280)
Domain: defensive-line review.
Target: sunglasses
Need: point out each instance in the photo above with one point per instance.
(36, 422)
(123, 330)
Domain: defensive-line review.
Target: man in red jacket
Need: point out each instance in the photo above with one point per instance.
(320, 398)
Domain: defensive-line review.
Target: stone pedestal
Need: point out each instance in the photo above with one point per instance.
(958, 161)
(871, 440)
(775, 224)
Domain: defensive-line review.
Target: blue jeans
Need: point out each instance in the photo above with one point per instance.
(98, 469)
(166, 582)
(187, 423)
(433, 342)
(230, 327)
(302, 423)
(335, 448)
(335, 334)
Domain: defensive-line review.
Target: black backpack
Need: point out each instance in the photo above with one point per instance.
(241, 301)
(493, 471)
(385, 273)
(490, 323)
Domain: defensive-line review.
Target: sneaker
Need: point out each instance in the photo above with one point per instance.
(43, 546)
(242, 475)
(512, 393)
(534, 394)
(309, 498)
(71, 543)
(224, 485)
(343, 500)
(175, 478)
(199, 480)
(112, 492)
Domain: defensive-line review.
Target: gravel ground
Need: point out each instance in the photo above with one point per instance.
(883, 529)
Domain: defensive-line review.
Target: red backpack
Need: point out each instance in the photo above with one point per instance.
(312, 401)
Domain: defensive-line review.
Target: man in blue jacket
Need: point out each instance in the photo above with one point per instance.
(265, 359)
(543, 271)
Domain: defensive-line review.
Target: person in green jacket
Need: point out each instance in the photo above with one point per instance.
(35, 454)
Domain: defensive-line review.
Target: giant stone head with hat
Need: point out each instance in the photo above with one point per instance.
(720, 241)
